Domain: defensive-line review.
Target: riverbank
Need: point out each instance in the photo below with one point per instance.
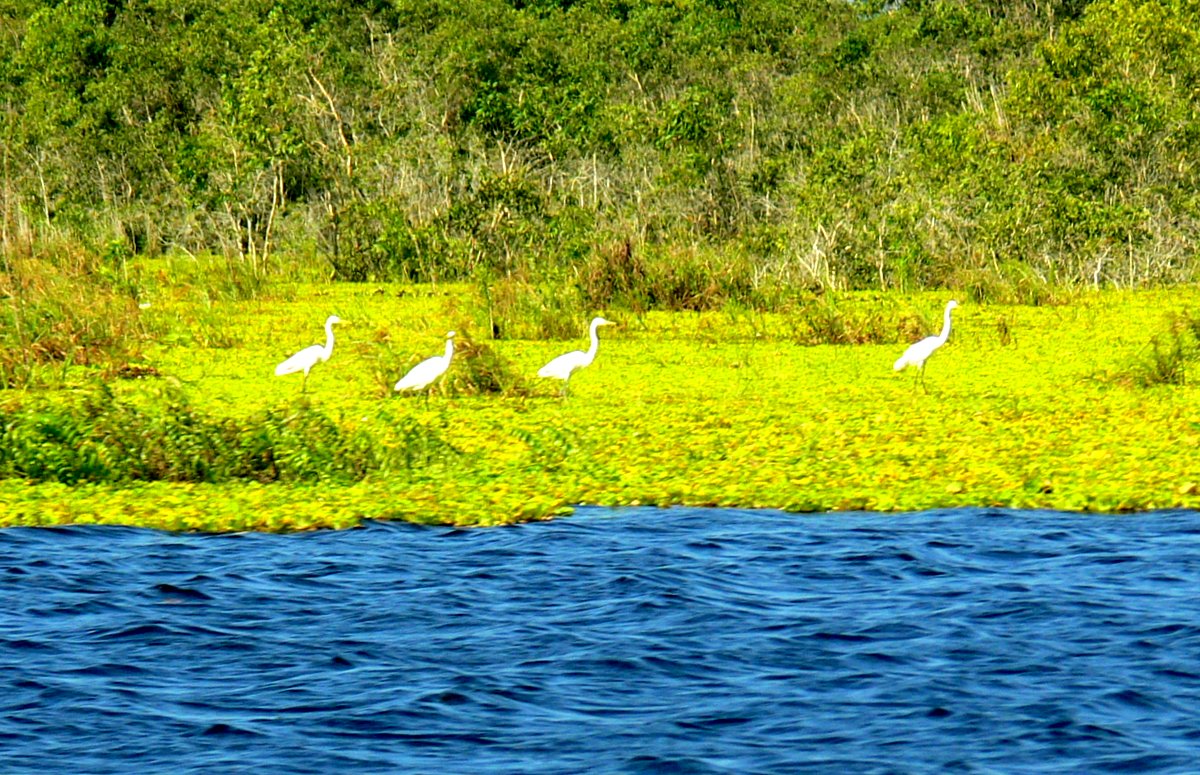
(1027, 407)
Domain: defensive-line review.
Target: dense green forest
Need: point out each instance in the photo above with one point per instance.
(630, 148)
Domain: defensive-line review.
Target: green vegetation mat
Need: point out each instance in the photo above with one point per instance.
(1083, 405)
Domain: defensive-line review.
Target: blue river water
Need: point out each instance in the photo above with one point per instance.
(629, 641)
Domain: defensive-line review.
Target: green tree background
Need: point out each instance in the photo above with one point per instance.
(673, 144)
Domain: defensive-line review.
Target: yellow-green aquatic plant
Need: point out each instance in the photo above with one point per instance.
(714, 408)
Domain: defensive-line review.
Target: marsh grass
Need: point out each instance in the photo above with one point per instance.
(826, 319)
(1011, 284)
(386, 363)
(517, 308)
(694, 278)
(213, 278)
(1005, 334)
(1166, 363)
(63, 312)
(1167, 358)
(480, 370)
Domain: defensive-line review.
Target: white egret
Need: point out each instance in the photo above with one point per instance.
(427, 371)
(917, 354)
(310, 356)
(567, 364)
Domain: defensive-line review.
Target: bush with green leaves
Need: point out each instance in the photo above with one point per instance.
(99, 437)
(837, 145)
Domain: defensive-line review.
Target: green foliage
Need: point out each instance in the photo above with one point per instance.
(376, 241)
(100, 437)
(733, 146)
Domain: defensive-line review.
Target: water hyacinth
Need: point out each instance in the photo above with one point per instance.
(1027, 406)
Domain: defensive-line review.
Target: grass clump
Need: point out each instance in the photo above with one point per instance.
(1166, 363)
(668, 278)
(517, 308)
(1169, 355)
(826, 319)
(61, 313)
(480, 370)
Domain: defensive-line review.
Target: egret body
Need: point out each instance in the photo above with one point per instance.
(427, 371)
(917, 354)
(567, 364)
(310, 356)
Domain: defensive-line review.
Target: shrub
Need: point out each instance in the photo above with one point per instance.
(99, 437)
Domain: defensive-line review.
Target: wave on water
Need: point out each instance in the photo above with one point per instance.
(628, 641)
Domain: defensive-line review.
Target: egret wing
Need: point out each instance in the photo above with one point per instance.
(301, 361)
(916, 354)
(421, 375)
(562, 366)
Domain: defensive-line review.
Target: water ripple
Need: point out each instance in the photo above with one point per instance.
(634, 641)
